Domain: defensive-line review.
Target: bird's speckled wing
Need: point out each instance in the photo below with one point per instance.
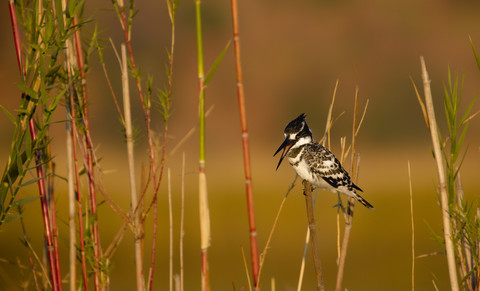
(326, 165)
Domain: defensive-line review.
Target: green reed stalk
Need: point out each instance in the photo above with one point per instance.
(202, 178)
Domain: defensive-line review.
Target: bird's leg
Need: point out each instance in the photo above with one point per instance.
(339, 204)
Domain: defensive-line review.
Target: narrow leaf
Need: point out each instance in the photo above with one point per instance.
(9, 115)
(477, 59)
(420, 101)
(216, 63)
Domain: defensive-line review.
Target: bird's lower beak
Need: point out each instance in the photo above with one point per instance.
(286, 145)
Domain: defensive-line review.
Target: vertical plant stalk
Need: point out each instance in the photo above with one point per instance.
(305, 251)
(72, 203)
(447, 231)
(308, 192)
(245, 146)
(351, 201)
(74, 194)
(78, 194)
(52, 252)
(89, 159)
(135, 215)
(182, 218)
(153, 177)
(413, 225)
(170, 230)
(202, 178)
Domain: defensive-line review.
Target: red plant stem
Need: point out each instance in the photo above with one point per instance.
(51, 252)
(246, 148)
(78, 196)
(90, 171)
(52, 249)
(16, 37)
(51, 200)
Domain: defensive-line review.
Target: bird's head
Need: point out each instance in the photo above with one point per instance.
(296, 133)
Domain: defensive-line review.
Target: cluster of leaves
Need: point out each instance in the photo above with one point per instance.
(465, 215)
(44, 83)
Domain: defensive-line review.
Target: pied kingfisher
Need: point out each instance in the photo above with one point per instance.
(315, 163)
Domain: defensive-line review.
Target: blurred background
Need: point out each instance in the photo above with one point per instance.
(292, 52)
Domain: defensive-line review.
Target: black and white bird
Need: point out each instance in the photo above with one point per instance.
(315, 163)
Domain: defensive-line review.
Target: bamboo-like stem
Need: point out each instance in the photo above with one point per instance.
(170, 223)
(308, 192)
(245, 146)
(135, 216)
(447, 232)
(202, 178)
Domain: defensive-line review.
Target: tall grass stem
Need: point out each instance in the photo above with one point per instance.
(447, 232)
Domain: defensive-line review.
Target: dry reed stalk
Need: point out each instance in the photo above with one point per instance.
(413, 225)
(249, 283)
(302, 265)
(72, 203)
(134, 214)
(170, 223)
(153, 176)
(441, 178)
(182, 218)
(351, 201)
(245, 146)
(307, 191)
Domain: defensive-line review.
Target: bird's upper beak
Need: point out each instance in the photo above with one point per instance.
(286, 145)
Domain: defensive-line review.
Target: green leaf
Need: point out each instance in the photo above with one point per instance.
(467, 111)
(11, 218)
(9, 115)
(35, 180)
(23, 201)
(477, 59)
(215, 64)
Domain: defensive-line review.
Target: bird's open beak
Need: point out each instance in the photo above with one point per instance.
(286, 145)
